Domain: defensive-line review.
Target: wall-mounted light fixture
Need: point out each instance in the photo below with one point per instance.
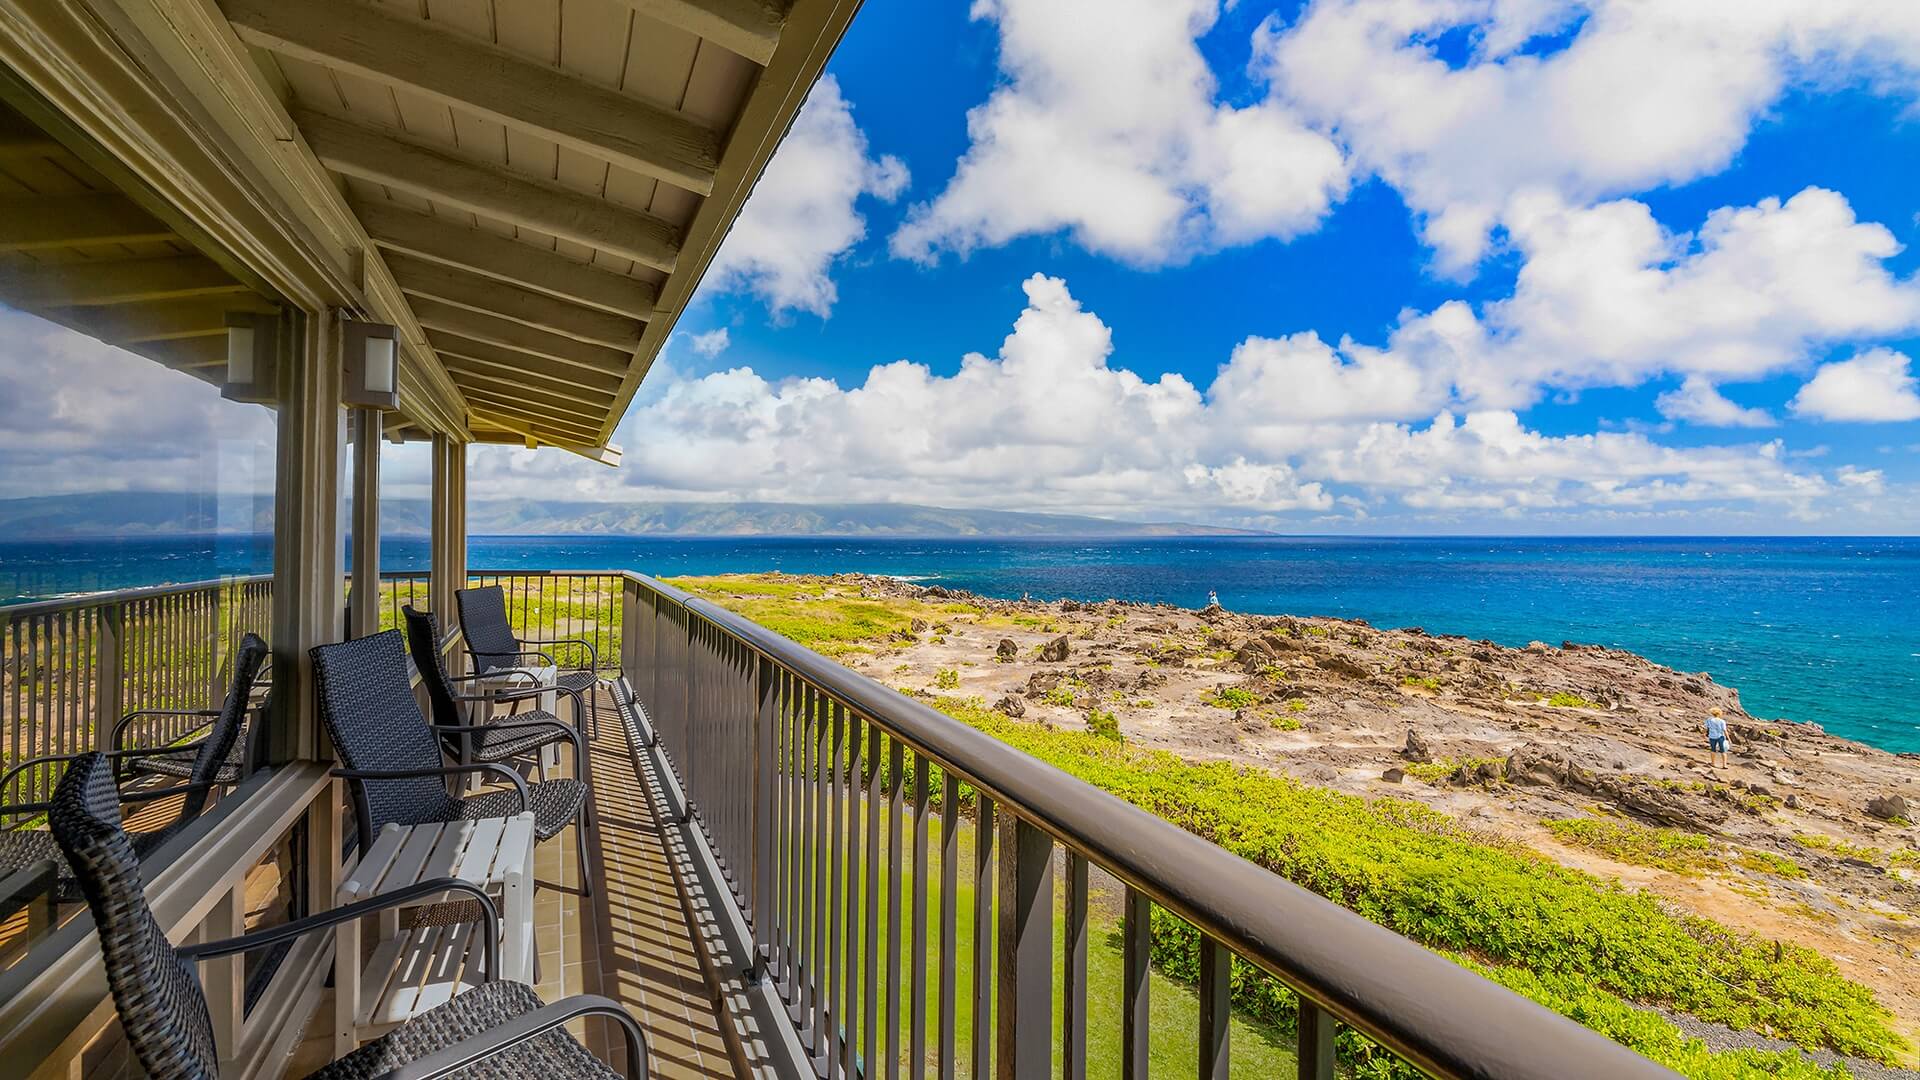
(250, 358)
(373, 366)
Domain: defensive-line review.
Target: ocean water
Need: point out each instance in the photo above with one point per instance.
(1822, 629)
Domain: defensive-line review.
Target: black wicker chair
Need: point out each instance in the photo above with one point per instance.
(393, 756)
(496, 651)
(498, 740)
(21, 848)
(496, 1029)
(179, 761)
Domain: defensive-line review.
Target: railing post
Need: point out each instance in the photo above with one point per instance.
(1025, 943)
(107, 688)
(218, 647)
(762, 805)
(1315, 1045)
(1136, 1022)
(1216, 998)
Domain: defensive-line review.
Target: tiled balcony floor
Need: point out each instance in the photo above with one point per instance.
(630, 941)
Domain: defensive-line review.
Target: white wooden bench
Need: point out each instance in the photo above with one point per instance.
(416, 968)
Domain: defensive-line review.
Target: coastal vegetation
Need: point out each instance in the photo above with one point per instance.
(1576, 942)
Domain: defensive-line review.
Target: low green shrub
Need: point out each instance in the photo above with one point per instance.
(1175, 950)
(1416, 871)
(1638, 845)
(946, 679)
(1231, 697)
(1565, 700)
(1104, 724)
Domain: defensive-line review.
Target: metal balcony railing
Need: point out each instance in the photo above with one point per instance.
(71, 668)
(795, 768)
(826, 799)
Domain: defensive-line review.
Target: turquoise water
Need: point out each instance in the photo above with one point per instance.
(1820, 629)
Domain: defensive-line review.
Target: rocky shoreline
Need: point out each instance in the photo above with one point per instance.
(1590, 756)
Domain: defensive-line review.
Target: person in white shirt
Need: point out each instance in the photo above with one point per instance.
(1716, 740)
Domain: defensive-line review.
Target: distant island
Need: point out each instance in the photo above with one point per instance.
(122, 514)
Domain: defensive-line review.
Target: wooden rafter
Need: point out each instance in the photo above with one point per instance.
(504, 259)
(748, 27)
(532, 390)
(166, 320)
(469, 183)
(465, 369)
(131, 281)
(34, 223)
(506, 333)
(432, 280)
(567, 421)
(467, 74)
(502, 358)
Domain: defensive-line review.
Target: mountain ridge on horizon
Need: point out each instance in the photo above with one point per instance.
(127, 514)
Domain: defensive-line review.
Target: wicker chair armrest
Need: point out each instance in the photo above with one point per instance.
(582, 642)
(521, 654)
(521, 1028)
(120, 726)
(156, 794)
(572, 734)
(364, 775)
(506, 695)
(274, 935)
(135, 752)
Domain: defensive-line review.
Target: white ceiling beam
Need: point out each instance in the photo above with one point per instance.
(454, 179)
(748, 27)
(502, 258)
(131, 281)
(37, 222)
(421, 278)
(465, 73)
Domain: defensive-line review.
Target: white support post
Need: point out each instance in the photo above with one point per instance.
(365, 604)
(306, 526)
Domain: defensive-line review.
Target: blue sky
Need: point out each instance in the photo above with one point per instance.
(1587, 266)
(1688, 280)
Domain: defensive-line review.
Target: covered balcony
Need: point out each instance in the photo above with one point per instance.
(431, 223)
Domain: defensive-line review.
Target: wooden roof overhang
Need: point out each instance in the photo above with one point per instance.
(529, 189)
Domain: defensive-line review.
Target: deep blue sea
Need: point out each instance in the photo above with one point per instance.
(1821, 629)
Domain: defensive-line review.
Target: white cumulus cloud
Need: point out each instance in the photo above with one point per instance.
(1877, 385)
(1109, 128)
(710, 344)
(1290, 429)
(1698, 401)
(1606, 296)
(1587, 99)
(803, 213)
(79, 415)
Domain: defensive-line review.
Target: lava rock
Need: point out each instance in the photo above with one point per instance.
(1394, 775)
(1040, 682)
(1416, 749)
(1006, 650)
(1889, 807)
(1056, 650)
(1011, 705)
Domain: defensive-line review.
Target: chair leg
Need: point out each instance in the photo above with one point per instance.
(580, 840)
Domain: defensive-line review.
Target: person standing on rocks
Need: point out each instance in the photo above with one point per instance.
(1716, 740)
